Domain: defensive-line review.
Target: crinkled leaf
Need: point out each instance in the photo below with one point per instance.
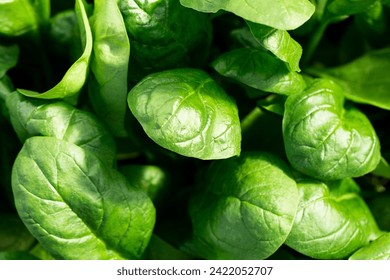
(76, 206)
(377, 250)
(75, 77)
(109, 64)
(164, 35)
(260, 70)
(325, 140)
(280, 14)
(187, 112)
(31, 117)
(332, 220)
(248, 212)
(279, 42)
(364, 80)
(9, 55)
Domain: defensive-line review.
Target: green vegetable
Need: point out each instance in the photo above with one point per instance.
(325, 140)
(279, 14)
(178, 129)
(247, 213)
(260, 70)
(187, 112)
(377, 250)
(109, 64)
(332, 220)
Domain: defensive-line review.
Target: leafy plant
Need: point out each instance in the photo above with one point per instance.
(175, 129)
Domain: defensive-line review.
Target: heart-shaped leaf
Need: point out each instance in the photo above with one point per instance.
(325, 140)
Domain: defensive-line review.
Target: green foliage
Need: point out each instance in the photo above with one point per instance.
(178, 129)
(187, 112)
(247, 213)
(325, 140)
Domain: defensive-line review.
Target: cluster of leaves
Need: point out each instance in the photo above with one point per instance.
(181, 129)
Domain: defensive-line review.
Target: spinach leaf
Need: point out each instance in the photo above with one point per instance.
(187, 112)
(82, 209)
(8, 58)
(31, 117)
(332, 220)
(365, 79)
(325, 140)
(260, 70)
(109, 63)
(279, 42)
(280, 14)
(164, 35)
(248, 212)
(17, 18)
(17, 256)
(377, 250)
(75, 77)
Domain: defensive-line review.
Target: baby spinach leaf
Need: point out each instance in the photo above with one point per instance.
(8, 58)
(82, 208)
(377, 250)
(260, 70)
(31, 117)
(109, 64)
(325, 140)
(164, 35)
(280, 14)
(279, 42)
(332, 220)
(17, 18)
(17, 256)
(75, 77)
(382, 169)
(248, 212)
(365, 79)
(187, 112)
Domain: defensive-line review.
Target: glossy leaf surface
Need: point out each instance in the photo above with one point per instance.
(260, 70)
(247, 213)
(109, 64)
(187, 112)
(82, 208)
(280, 14)
(325, 140)
(377, 250)
(332, 220)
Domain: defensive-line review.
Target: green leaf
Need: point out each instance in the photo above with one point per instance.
(248, 212)
(9, 55)
(76, 206)
(383, 169)
(365, 79)
(279, 42)
(31, 117)
(164, 35)
(325, 140)
(332, 220)
(280, 14)
(17, 256)
(75, 77)
(377, 250)
(17, 18)
(109, 64)
(260, 70)
(185, 111)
